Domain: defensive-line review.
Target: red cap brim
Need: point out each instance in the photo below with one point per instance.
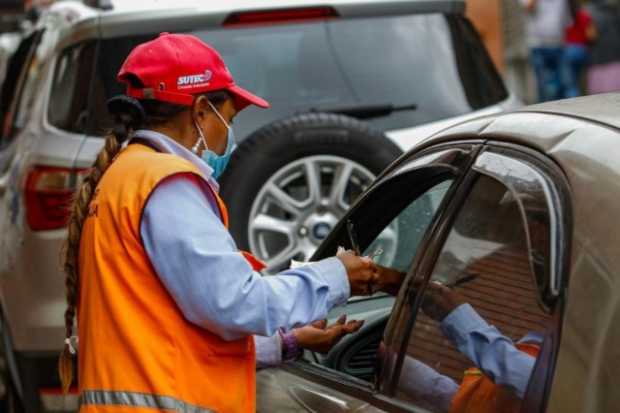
(243, 98)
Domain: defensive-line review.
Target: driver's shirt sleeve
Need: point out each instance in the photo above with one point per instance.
(491, 351)
(198, 262)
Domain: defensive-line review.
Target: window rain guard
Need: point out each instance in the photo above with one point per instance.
(538, 203)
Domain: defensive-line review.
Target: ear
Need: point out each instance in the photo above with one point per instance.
(200, 108)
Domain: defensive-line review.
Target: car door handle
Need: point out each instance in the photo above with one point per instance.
(318, 402)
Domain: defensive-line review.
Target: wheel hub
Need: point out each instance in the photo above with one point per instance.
(317, 226)
(300, 204)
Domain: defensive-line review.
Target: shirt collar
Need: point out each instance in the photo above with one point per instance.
(163, 143)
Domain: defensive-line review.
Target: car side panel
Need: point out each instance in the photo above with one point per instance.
(586, 373)
(281, 391)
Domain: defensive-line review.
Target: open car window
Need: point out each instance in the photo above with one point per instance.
(391, 222)
(396, 244)
(392, 217)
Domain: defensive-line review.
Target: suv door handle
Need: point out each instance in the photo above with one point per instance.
(317, 402)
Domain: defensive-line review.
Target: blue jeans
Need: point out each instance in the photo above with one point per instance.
(547, 62)
(573, 64)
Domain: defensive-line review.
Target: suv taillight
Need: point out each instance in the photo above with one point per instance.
(48, 196)
(280, 16)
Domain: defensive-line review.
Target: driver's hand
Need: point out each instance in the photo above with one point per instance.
(389, 280)
(320, 337)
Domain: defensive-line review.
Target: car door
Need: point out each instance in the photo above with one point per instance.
(507, 234)
(391, 221)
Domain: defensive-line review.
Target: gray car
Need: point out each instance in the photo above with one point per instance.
(405, 68)
(523, 205)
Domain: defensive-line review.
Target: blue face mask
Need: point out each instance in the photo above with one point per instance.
(218, 162)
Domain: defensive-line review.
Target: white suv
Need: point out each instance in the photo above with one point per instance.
(407, 68)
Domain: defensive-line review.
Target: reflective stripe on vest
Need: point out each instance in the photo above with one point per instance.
(132, 399)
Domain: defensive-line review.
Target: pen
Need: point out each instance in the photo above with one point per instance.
(353, 238)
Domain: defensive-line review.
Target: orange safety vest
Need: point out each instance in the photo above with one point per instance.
(137, 352)
(478, 393)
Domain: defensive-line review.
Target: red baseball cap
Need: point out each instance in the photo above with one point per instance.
(175, 67)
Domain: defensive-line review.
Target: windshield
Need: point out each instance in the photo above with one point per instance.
(407, 61)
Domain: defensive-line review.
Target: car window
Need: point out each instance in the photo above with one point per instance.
(398, 242)
(340, 62)
(27, 91)
(71, 86)
(390, 223)
(11, 81)
(487, 251)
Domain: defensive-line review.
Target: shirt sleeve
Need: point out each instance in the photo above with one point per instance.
(427, 386)
(268, 351)
(214, 286)
(493, 353)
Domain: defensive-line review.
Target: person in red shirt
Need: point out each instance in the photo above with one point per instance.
(579, 36)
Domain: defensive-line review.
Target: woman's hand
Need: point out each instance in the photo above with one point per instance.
(320, 337)
(362, 272)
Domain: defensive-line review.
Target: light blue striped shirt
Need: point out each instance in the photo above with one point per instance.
(484, 345)
(491, 351)
(197, 260)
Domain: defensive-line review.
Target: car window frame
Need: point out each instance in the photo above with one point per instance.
(372, 392)
(553, 186)
(24, 78)
(404, 164)
(428, 257)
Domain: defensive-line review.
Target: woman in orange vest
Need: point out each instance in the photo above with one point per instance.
(166, 305)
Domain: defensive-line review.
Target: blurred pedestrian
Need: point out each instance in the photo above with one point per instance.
(579, 35)
(167, 305)
(604, 70)
(517, 75)
(546, 23)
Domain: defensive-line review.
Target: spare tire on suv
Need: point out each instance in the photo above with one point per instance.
(291, 181)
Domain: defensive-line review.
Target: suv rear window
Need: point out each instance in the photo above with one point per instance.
(433, 61)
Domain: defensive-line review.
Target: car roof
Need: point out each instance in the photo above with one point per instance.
(134, 17)
(604, 108)
(541, 126)
(234, 5)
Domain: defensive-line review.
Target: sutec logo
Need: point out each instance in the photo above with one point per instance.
(193, 80)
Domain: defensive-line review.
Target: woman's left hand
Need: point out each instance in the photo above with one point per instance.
(320, 337)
